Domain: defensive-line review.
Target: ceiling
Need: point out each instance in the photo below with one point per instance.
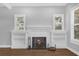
(11, 5)
(38, 4)
(33, 4)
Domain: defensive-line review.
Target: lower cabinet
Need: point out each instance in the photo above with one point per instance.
(18, 40)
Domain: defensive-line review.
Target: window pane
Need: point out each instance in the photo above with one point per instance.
(76, 16)
(76, 32)
(76, 23)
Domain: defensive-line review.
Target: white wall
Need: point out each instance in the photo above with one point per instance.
(71, 45)
(35, 16)
(6, 24)
(43, 16)
(38, 15)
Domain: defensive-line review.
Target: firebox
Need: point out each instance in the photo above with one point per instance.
(38, 42)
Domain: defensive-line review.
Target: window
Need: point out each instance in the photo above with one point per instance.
(19, 22)
(75, 25)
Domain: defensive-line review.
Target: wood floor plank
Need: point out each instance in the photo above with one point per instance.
(35, 52)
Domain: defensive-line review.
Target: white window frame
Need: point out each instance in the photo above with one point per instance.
(62, 15)
(18, 15)
(73, 40)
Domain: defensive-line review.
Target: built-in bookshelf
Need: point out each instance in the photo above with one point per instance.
(58, 22)
(19, 23)
(18, 34)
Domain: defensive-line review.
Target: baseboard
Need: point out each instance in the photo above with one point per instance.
(77, 53)
(61, 48)
(5, 46)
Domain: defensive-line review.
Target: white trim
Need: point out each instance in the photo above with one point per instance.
(7, 5)
(18, 48)
(35, 27)
(75, 41)
(76, 52)
(5, 46)
(60, 47)
(12, 47)
(59, 31)
(44, 26)
(75, 7)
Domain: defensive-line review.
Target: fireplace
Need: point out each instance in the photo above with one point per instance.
(39, 42)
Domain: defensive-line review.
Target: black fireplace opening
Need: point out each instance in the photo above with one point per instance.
(39, 42)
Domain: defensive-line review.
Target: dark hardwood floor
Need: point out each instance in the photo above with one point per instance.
(35, 52)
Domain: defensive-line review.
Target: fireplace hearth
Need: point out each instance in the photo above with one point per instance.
(38, 42)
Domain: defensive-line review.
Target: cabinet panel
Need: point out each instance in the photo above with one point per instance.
(18, 40)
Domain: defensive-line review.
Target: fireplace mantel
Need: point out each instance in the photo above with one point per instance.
(32, 31)
(39, 34)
